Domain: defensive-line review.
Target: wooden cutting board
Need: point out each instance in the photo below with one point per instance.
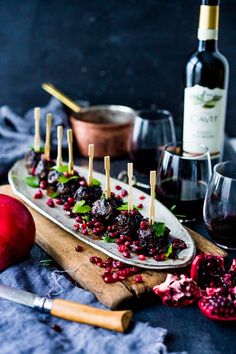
(60, 245)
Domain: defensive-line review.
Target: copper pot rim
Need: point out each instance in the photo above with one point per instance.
(112, 108)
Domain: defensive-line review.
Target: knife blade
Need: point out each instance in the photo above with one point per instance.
(72, 311)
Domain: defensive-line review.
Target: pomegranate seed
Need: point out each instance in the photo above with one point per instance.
(118, 196)
(108, 262)
(124, 193)
(89, 224)
(50, 203)
(85, 232)
(118, 264)
(43, 185)
(71, 200)
(76, 226)
(115, 276)
(153, 251)
(79, 219)
(66, 174)
(121, 275)
(134, 212)
(66, 206)
(119, 241)
(122, 248)
(84, 226)
(159, 257)
(38, 194)
(79, 248)
(135, 243)
(140, 206)
(126, 254)
(100, 264)
(113, 234)
(134, 270)
(58, 201)
(138, 278)
(142, 197)
(83, 183)
(97, 224)
(144, 225)
(142, 257)
(70, 214)
(56, 328)
(108, 279)
(118, 187)
(127, 243)
(107, 271)
(124, 212)
(113, 194)
(95, 259)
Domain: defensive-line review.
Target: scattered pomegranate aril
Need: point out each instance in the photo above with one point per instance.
(138, 278)
(84, 226)
(38, 194)
(58, 201)
(85, 232)
(144, 225)
(142, 257)
(79, 219)
(108, 279)
(122, 248)
(95, 259)
(66, 206)
(83, 183)
(56, 328)
(90, 224)
(126, 254)
(142, 197)
(140, 206)
(124, 193)
(79, 248)
(43, 184)
(50, 203)
(71, 200)
(118, 187)
(113, 234)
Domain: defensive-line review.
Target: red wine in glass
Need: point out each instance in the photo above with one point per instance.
(220, 205)
(183, 197)
(222, 230)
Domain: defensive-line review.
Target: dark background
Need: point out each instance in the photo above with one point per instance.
(107, 51)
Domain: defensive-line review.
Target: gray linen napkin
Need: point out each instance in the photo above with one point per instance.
(17, 133)
(26, 331)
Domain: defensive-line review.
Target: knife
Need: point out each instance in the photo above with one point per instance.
(114, 320)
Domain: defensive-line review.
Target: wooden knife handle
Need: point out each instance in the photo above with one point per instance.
(72, 311)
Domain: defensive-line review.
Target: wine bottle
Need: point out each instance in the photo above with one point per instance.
(206, 84)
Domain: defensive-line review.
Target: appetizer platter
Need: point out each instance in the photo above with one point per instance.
(111, 216)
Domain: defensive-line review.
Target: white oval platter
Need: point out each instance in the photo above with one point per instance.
(16, 178)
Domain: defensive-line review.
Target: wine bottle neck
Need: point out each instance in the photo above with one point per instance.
(208, 24)
(208, 45)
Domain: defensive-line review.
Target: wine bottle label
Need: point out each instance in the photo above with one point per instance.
(204, 117)
(208, 23)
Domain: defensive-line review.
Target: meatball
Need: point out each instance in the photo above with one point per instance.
(43, 168)
(53, 176)
(88, 193)
(31, 160)
(127, 223)
(66, 190)
(148, 240)
(105, 210)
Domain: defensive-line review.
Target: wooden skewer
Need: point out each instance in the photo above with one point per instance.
(130, 177)
(107, 169)
(37, 129)
(152, 201)
(70, 148)
(91, 156)
(59, 145)
(47, 146)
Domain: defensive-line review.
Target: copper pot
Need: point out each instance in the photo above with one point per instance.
(108, 127)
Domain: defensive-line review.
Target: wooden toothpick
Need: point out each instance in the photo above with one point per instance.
(37, 129)
(107, 169)
(59, 145)
(152, 201)
(47, 146)
(91, 156)
(70, 148)
(130, 181)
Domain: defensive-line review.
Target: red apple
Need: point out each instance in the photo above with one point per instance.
(17, 231)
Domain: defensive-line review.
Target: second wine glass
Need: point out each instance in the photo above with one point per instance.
(152, 131)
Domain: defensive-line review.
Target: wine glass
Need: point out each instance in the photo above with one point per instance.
(152, 130)
(220, 205)
(182, 179)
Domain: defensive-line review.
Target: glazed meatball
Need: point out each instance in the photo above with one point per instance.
(127, 223)
(31, 160)
(105, 210)
(43, 168)
(88, 193)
